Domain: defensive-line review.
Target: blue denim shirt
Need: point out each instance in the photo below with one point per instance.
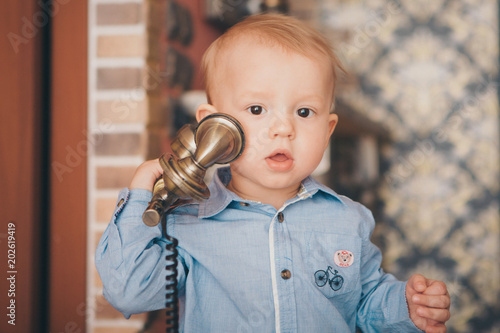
(246, 267)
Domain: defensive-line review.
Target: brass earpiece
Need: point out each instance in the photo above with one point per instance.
(218, 139)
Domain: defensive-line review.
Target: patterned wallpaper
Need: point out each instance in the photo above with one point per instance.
(427, 71)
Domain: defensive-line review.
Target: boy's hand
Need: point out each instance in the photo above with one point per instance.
(428, 303)
(146, 175)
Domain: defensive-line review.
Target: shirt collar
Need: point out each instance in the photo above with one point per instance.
(221, 197)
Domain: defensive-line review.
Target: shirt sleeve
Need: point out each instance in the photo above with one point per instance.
(130, 257)
(383, 306)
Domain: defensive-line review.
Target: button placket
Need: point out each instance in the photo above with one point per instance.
(284, 267)
(285, 273)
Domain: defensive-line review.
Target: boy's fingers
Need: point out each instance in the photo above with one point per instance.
(146, 175)
(432, 301)
(419, 283)
(440, 315)
(436, 288)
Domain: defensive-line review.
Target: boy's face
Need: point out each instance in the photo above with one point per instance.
(282, 99)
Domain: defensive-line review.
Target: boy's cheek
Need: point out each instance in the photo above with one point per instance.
(240, 167)
(255, 142)
(249, 154)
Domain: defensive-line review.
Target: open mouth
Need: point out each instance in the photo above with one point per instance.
(280, 160)
(279, 157)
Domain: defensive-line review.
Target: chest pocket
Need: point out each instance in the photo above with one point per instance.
(333, 263)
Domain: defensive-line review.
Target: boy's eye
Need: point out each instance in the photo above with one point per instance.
(256, 109)
(304, 112)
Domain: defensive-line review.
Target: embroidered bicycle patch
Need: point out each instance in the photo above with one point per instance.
(332, 277)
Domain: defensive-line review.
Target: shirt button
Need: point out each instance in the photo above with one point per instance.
(120, 202)
(286, 274)
(244, 204)
(281, 217)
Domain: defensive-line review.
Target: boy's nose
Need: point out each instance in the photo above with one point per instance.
(282, 127)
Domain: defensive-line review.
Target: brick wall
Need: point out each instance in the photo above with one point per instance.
(119, 87)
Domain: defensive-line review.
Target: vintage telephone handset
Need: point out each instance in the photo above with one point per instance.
(218, 139)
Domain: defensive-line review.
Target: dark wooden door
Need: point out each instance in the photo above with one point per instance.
(43, 103)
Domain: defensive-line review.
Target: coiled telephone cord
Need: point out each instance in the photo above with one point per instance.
(172, 304)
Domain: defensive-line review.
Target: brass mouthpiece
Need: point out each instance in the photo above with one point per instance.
(218, 139)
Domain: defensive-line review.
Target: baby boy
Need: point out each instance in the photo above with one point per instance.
(271, 250)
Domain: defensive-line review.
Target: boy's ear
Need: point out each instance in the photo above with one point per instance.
(204, 110)
(333, 119)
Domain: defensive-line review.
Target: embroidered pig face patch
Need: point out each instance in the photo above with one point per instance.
(343, 258)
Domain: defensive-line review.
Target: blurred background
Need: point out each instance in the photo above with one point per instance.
(92, 89)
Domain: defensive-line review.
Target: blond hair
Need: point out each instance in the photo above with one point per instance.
(289, 33)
